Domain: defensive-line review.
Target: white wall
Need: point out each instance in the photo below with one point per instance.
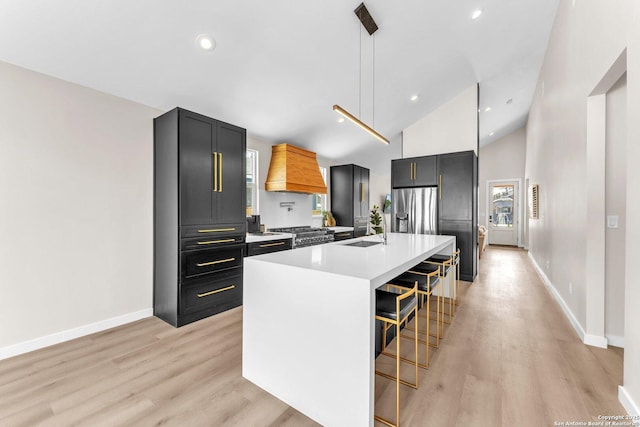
(586, 39)
(584, 42)
(451, 127)
(76, 168)
(502, 159)
(616, 204)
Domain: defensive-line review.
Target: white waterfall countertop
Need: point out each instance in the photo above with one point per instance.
(308, 321)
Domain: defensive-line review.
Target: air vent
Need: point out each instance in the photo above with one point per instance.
(365, 17)
(533, 201)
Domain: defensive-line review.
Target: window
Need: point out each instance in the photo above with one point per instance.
(252, 182)
(319, 201)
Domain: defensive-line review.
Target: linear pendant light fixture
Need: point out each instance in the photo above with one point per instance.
(370, 25)
(363, 125)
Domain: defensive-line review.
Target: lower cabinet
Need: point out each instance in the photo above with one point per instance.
(204, 297)
(209, 280)
(466, 240)
(198, 263)
(268, 246)
(343, 235)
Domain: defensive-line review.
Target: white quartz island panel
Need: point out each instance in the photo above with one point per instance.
(308, 322)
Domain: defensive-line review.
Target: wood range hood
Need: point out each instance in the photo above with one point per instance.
(294, 169)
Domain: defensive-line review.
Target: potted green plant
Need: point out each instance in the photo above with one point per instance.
(375, 219)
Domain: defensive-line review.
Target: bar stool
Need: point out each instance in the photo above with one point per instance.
(425, 269)
(455, 261)
(427, 282)
(456, 264)
(446, 264)
(394, 309)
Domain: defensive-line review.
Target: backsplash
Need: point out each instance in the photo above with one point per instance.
(272, 214)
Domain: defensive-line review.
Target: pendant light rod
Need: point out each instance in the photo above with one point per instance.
(355, 120)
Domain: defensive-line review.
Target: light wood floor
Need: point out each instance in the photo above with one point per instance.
(510, 358)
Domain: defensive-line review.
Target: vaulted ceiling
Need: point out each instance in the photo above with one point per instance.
(280, 65)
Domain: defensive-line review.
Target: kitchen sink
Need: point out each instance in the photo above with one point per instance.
(362, 244)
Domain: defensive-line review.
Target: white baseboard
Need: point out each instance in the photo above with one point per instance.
(588, 339)
(595, 341)
(69, 334)
(567, 311)
(627, 402)
(616, 340)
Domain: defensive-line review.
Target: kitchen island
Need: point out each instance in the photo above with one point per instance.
(308, 321)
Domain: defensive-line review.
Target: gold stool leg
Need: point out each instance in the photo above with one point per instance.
(451, 284)
(426, 346)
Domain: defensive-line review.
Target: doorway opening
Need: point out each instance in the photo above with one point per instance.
(606, 207)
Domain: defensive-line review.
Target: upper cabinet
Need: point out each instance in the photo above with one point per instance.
(414, 172)
(231, 149)
(456, 186)
(350, 197)
(211, 156)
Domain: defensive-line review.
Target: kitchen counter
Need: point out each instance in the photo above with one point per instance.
(308, 321)
(251, 238)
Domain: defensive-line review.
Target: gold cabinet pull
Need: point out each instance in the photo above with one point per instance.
(211, 242)
(217, 291)
(344, 235)
(415, 171)
(216, 230)
(267, 245)
(218, 261)
(411, 171)
(440, 187)
(215, 171)
(220, 158)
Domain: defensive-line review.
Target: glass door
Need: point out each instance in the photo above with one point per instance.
(503, 215)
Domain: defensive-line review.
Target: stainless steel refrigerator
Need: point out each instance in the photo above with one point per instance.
(414, 210)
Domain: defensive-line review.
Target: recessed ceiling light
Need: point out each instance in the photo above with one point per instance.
(491, 133)
(206, 42)
(476, 14)
(341, 120)
(486, 110)
(414, 98)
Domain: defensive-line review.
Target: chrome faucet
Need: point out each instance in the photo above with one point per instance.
(384, 229)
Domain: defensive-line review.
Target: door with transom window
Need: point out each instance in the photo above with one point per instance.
(503, 213)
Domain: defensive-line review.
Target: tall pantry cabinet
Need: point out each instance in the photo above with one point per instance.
(350, 197)
(199, 216)
(458, 206)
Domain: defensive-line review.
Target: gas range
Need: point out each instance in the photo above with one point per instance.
(306, 235)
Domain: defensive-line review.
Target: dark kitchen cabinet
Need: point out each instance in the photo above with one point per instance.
(268, 246)
(466, 241)
(350, 197)
(199, 216)
(414, 172)
(456, 185)
(458, 205)
(211, 154)
(343, 235)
